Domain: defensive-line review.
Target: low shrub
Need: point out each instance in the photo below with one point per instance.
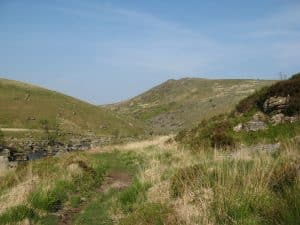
(220, 137)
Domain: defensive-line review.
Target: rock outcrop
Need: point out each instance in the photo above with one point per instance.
(256, 123)
(276, 104)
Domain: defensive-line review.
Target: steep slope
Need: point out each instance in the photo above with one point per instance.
(25, 106)
(178, 104)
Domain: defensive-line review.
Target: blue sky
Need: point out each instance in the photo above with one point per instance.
(107, 51)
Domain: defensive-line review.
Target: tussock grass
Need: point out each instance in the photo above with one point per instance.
(175, 186)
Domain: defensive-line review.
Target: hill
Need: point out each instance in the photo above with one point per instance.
(270, 115)
(178, 104)
(26, 106)
(157, 181)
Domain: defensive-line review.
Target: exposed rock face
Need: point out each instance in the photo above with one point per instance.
(276, 104)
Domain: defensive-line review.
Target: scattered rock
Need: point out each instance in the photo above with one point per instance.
(269, 148)
(260, 116)
(254, 125)
(277, 119)
(291, 119)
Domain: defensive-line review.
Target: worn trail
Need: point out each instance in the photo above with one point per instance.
(117, 180)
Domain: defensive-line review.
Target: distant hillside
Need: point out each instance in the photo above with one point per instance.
(178, 104)
(25, 106)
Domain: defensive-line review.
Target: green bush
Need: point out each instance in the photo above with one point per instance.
(16, 214)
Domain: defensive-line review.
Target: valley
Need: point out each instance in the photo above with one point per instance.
(238, 166)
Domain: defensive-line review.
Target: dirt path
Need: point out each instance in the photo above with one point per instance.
(115, 180)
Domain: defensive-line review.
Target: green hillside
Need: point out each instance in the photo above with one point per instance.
(25, 106)
(178, 104)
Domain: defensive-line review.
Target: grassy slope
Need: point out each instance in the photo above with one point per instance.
(173, 186)
(19, 102)
(178, 104)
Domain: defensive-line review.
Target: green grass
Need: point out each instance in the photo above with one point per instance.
(97, 211)
(17, 214)
(68, 113)
(243, 191)
(150, 214)
(135, 193)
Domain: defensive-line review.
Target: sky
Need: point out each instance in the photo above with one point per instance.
(108, 51)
